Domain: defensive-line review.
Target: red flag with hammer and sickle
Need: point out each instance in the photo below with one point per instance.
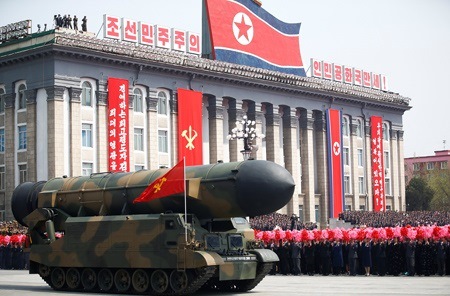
(170, 183)
(190, 126)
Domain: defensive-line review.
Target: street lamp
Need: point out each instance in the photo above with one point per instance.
(245, 130)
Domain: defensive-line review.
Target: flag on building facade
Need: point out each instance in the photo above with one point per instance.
(172, 182)
(190, 126)
(379, 194)
(335, 162)
(242, 32)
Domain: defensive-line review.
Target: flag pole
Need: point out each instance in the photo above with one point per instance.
(185, 199)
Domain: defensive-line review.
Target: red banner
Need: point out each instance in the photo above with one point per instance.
(379, 199)
(119, 156)
(190, 126)
(335, 163)
(170, 183)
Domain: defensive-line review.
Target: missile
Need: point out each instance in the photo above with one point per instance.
(236, 189)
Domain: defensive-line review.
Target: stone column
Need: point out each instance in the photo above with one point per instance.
(320, 127)
(173, 129)
(259, 116)
(291, 154)
(235, 113)
(307, 158)
(31, 134)
(75, 130)
(55, 111)
(102, 132)
(354, 172)
(401, 171)
(368, 167)
(273, 121)
(216, 128)
(152, 129)
(10, 150)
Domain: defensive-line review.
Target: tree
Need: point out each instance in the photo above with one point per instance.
(439, 182)
(418, 195)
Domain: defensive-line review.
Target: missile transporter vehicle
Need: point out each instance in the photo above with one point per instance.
(87, 234)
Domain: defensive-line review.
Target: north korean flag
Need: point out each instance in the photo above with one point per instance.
(335, 162)
(242, 32)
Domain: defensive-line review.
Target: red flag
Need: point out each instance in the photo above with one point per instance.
(190, 126)
(170, 183)
(379, 200)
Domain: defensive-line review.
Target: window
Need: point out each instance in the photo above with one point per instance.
(22, 137)
(385, 132)
(359, 132)
(2, 178)
(345, 126)
(162, 142)
(362, 207)
(386, 159)
(347, 185)
(162, 103)
(138, 167)
(2, 100)
(87, 169)
(430, 165)
(22, 96)
(316, 211)
(22, 173)
(361, 185)
(86, 134)
(416, 166)
(139, 139)
(348, 207)
(2, 140)
(360, 158)
(345, 156)
(444, 165)
(387, 186)
(388, 207)
(300, 213)
(86, 94)
(137, 94)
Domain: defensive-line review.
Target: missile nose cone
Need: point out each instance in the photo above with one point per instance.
(263, 187)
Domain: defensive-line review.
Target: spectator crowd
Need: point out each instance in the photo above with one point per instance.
(12, 243)
(380, 243)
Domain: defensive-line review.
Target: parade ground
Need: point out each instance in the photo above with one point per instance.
(19, 283)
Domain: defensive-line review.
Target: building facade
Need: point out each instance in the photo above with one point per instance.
(425, 166)
(53, 117)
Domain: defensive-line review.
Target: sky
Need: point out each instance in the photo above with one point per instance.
(408, 41)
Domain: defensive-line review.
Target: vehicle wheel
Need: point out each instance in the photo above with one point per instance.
(58, 278)
(88, 279)
(73, 278)
(159, 281)
(122, 280)
(105, 279)
(140, 281)
(44, 270)
(178, 281)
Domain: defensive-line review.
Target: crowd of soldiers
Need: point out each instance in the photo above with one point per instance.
(13, 241)
(66, 21)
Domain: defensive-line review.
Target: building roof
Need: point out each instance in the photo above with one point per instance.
(145, 56)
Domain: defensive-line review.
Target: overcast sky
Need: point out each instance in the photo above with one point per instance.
(406, 40)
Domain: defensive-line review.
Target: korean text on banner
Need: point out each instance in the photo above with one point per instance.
(379, 200)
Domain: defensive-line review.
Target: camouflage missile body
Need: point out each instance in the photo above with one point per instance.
(110, 244)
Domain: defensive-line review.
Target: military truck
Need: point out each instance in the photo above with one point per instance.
(87, 234)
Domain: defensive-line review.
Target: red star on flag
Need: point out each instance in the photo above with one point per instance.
(243, 28)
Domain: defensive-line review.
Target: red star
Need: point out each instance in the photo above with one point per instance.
(243, 28)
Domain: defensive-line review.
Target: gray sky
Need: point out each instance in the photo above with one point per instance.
(406, 40)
